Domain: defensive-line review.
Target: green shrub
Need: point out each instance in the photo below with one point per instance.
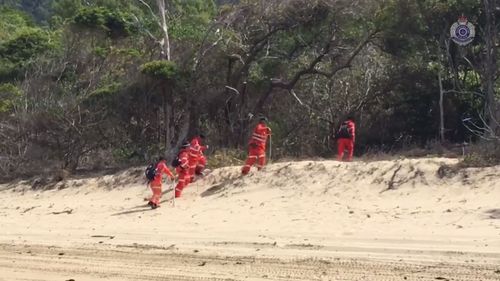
(160, 69)
(27, 45)
(9, 93)
(116, 24)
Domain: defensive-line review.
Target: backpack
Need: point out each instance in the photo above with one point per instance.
(176, 162)
(151, 172)
(343, 132)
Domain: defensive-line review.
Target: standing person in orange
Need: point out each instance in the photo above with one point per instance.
(346, 137)
(182, 169)
(257, 146)
(197, 160)
(155, 184)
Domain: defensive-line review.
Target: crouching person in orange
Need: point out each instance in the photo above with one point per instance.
(155, 184)
(257, 146)
(182, 169)
(202, 160)
(346, 137)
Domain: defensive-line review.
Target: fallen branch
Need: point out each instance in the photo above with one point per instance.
(29, 209)
(238, 160)
(67, 211)
(392, 182)
(103, 236)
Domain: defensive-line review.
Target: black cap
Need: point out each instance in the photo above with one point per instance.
(161, 158)
(262, 119)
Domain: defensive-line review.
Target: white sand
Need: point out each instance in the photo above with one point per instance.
(321, 210)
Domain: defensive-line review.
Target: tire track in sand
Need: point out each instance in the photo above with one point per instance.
(44, 263)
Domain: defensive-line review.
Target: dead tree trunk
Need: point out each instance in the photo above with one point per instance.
(165, 41)
(441, 108)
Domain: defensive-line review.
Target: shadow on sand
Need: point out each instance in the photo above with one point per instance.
(143, 207)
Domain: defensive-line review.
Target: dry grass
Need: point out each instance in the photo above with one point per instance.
(226, 157)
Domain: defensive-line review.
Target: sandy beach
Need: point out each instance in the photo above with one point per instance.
(307, 220)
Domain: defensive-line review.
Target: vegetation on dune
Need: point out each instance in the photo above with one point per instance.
(106, 83)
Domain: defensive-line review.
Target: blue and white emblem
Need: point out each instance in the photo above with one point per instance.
(462, 32)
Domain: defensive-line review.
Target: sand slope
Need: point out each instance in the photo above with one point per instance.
(310, 220)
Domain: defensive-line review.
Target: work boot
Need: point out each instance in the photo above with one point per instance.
(245, 170)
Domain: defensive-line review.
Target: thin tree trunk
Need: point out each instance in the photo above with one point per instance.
(158, 129)
(243, 120)
(165, 44)
(166, 119)
(169, 119)
(441, 109)
(490, 67)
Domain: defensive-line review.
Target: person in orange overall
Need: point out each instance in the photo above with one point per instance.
(257, 146)
(346, 137)
(182, 169)
(155, 184)
(197, 160)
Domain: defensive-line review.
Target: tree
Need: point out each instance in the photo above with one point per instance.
(490, 70)
(137, 77)
(313, 40)
(161, 20)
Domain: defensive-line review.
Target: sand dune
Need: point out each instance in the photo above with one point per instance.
(405, 219)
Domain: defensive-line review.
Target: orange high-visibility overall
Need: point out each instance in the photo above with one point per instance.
(155, 184)
(182, 172)
(197, 160)
(257, 148)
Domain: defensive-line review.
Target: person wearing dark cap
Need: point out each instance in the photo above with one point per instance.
(257, 146)
(346, 137)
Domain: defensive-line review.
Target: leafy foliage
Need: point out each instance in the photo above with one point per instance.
(25, 46)
(11, 22)
(160, 69)
(18, 52)
(192, 18)
(96, 79)
(9, 94)
(115, 23)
